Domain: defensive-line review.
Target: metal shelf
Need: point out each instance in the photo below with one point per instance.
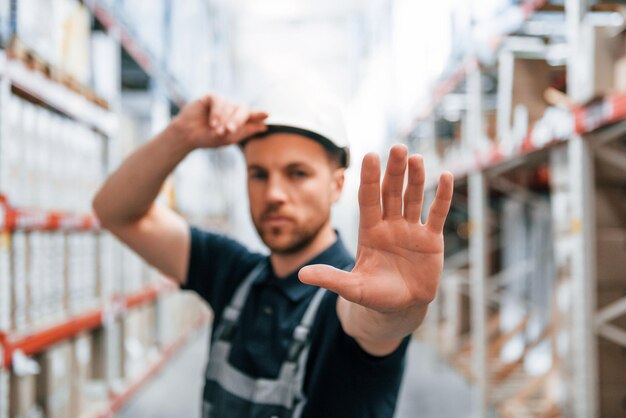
(37, 341)
(115, 22)
(56, 95)
(12, 219)
(568, 165)
(516, 15)
(587, 120)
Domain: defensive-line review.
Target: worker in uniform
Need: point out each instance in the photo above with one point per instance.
(308, 331)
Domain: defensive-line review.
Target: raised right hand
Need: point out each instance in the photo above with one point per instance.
(213, 121)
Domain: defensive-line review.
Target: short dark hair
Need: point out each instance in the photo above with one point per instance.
(340, 156)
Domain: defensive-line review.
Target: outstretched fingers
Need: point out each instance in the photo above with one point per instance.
(414, 193)
(369, 191)
(441, 205)
(393, 182)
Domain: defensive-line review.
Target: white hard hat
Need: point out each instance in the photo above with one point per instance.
(307, 107)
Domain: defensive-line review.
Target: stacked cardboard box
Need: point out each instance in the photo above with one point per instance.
(609, 61)
(23, 397)
(20, 280)
(54, 385)
(82, 272)
(530, 80)
(48, 161)
(58, 31)
(610, 208)
(82, 374)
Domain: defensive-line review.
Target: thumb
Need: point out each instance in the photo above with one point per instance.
(344, 283)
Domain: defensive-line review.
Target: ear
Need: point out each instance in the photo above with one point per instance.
(338, 178)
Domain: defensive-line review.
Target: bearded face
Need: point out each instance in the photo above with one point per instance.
(292, 185)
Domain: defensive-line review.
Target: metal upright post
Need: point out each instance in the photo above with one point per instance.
(477, 189)
(5, 273)
(581, 223)
(478, 277)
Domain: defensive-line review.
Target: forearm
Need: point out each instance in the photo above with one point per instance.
(131, 190)
(378, 333)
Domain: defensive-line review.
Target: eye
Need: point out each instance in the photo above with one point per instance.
(257, 175)
(298, 174)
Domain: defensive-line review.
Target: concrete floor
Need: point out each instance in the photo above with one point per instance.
(430, 389)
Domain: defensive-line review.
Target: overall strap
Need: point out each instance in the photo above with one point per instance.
(301, 332)
(230, 317)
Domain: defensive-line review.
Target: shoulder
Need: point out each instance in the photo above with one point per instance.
(215, 246)
(217, 264)
(214, 240)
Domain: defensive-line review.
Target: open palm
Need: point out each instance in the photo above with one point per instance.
(399, 259)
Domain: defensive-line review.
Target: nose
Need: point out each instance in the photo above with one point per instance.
(276, 190)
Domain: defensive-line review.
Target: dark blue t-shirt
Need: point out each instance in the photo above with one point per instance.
(341, 379)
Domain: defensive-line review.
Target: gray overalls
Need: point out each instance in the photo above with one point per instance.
(230, 393)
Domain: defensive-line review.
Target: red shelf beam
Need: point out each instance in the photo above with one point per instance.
(12, 219)
(595, 115)
(600, 112)
(40, 340)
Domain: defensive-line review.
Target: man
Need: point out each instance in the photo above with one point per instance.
(282, 346)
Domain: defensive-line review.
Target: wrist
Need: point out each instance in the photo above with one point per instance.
(177, 134)
(368, 324)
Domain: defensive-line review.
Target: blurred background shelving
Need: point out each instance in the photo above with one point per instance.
(524, 101)
(531, 309)
(83, 321)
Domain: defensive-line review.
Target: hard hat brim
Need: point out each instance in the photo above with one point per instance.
(329, 145)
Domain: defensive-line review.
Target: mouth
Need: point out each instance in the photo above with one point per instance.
(275, 221)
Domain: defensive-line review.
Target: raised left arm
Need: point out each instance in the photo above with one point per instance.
(399, 259)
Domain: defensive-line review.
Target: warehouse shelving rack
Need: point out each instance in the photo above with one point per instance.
(118, 400)
(593, 139)
(58, 96)
(12, 218)
(113, 20)
(34, 342)
(39, 88)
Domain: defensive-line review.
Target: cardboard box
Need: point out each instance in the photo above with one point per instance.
(611, 256)
(21, 280)
(82, 366)
(612, 379)
(613, 402)
(54, 384)
(23, 395)
(611, 207)
(611, 365)
(609, 61)
(531, 78)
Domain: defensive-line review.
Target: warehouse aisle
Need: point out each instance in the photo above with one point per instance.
(428, 387)
(432, 389)
(176, 390)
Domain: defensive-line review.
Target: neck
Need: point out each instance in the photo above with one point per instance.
(284, 264)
